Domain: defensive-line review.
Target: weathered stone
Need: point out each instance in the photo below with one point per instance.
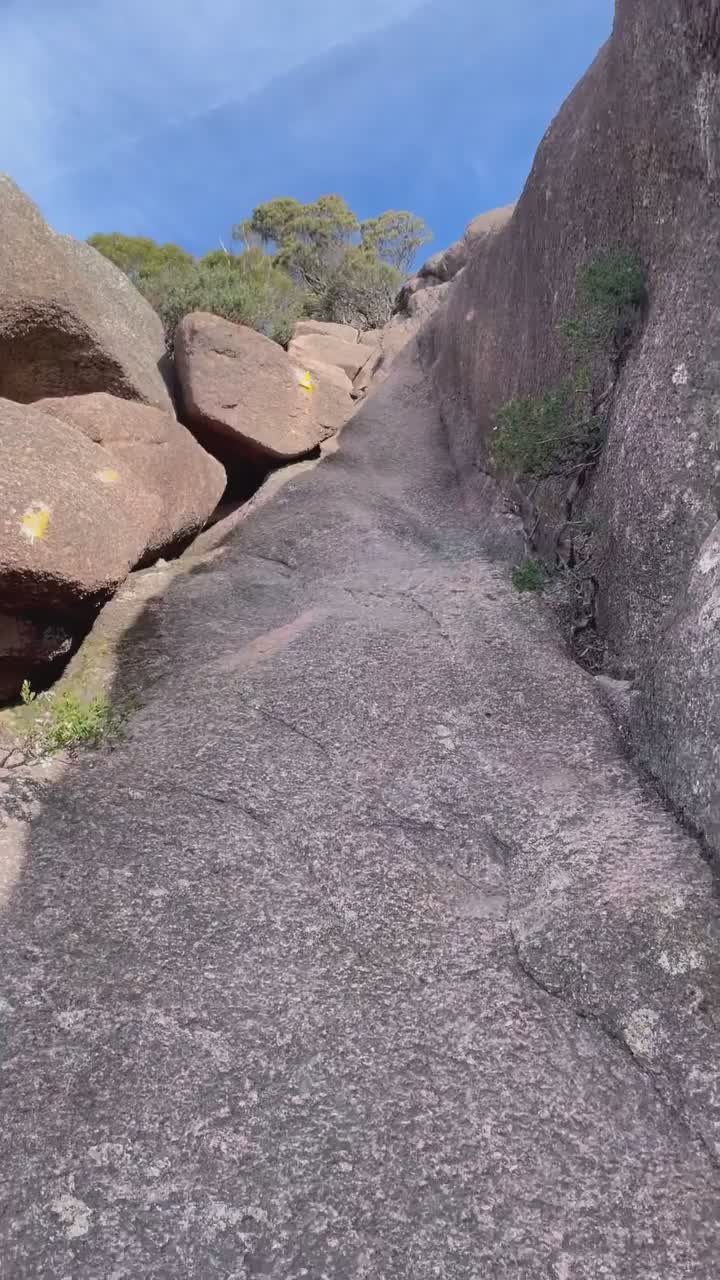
(70, 321)
(318, 348)
(647, 112)
(447, 264)
(486, 225)
(372, 886)
(242, 397)
(332, 394)
(74, 520)
(418, 307)
(327, 329)
(186, 481)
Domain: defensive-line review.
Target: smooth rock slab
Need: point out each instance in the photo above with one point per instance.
(366, 955)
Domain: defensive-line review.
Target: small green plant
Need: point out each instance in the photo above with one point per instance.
(67, 720)
(529, 576)
(562, 430)
(26, 694)
(74, 723)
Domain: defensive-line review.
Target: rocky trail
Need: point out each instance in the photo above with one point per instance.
(367, 953)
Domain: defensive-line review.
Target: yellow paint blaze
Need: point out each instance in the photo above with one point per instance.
(108, 475)
(34, 524)
(306, 381)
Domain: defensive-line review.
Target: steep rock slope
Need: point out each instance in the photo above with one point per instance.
(632, 160)
(365, 954)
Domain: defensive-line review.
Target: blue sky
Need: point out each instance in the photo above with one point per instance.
(172, 119)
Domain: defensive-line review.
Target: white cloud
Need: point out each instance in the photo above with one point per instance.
(81, 78)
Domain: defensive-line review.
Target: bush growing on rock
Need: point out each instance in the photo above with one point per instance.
(246, 289)
(562, 429)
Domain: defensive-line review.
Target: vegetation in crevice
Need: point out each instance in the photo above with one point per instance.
(66, 720)
(562, 429)
(560, 433)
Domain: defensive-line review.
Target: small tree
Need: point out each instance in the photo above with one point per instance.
(361, 291)
(309, 239)
(395, 237)
(350, 271)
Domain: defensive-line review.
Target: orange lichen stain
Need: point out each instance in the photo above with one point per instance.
(34, 524)
(306, 381)
(108, 475)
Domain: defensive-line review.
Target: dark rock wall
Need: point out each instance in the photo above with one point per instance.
(632, 160)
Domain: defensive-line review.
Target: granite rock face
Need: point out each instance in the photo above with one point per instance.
(365, 953)
(70, 321)
(166, 458)
(632, 161)
(242, 397)
(75, 520)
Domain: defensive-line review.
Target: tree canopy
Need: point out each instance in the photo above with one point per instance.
(138, 256)
(316, 259)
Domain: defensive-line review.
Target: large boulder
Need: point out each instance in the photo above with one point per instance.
(74, 520)
(348, 354)
(186, 481)
(70, 321)
(647, 112)
(242, 397)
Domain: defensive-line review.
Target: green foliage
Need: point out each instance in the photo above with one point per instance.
(67, 720)
(296, 259)
(26, 694)
(394, 238)
(361, 291)
(540, 435)
(610, 291)
(247, 289)
(269, 224)
(529, 576)
(74, 723)
(138, 256)
(309, 240)
(562, 429)
(350, 271)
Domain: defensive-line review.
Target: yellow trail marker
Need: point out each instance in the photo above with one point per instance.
(108, 475)
(34, 524)
(306, 381)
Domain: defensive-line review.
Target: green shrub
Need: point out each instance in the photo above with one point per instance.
(610, 292)
(67, 720)
(546, 434)
(562, 429)
(248, 289)
(138, 256)
(529, 576)
(361, 291)
(74, 723)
